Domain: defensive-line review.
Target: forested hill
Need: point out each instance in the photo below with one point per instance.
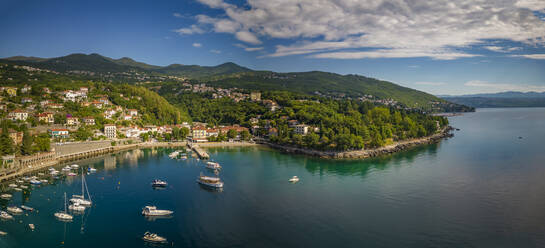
(231, 75)
(500, 100)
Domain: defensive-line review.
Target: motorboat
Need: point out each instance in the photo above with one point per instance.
(35, 182)
(24, 187)
(66, 168)
(91, 170)
(294, 179)
(19, 181)
(43, 181)
(76, 207)
(5, 196)
(4, 215)
(153, 211)
(213, 165)
(152, 237)
(80, 199)
(213, 182)
(17, 189)
(74, 166)
(159, 183)
(13, 185)
(2, 233)
(27, 208)
(32, 227)
(72, 174)
(40, 174)
(64, 215)
(173, 154)
(15, 210)
(54, 172)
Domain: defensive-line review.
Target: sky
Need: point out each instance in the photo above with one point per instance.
(441, 47)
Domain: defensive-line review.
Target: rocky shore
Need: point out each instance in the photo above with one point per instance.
(367, 153)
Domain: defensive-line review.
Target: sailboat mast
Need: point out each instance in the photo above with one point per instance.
(82, 192)
(64, 202)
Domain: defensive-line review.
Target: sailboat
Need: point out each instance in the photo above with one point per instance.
(64, 215)
(80, 199)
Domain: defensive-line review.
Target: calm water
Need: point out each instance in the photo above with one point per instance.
(483, 188)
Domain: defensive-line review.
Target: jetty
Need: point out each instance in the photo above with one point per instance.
(198, 150)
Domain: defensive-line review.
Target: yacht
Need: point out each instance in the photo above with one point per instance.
(80, 199)
(153, 211)
(15, 210)
(27, 208)
(213, 165)
(5, 196)
(76, 207)
(152, 237)
(159, 183)
(5, 215)
(213, 182)
(294, 179)
(64, 215)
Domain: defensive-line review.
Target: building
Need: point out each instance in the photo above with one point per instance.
(127, 117)
(211, 132)
(17, 137)
(301, 129)
(11, 91)
(18, 115)
(132, 112)
(199, 134)
(26, 100)
(59, 133)
(255, 96)
(89, 121)
(26, 89)
(55, 106)
(72, 121)
(273, 132)
(110, 131)
(46, 117)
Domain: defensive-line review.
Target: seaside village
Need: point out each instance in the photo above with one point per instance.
(50, 121)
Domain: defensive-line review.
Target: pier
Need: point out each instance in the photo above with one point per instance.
(199, 151)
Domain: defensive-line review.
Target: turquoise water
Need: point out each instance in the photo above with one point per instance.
(484, 187)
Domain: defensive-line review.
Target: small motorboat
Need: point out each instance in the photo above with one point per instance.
(15, 210)
(27, 208)
(2, 233)
(159, 183)
(53, 173)
(35, 182)
(76, 207)
(32, 227)
(213, 165)
(4, 215)
(294, 179)
(43, 181)
(19, 181)
(153, 211)
(13, 185)
(74, 166)
(72, 174)
(24, 187)
(91, 170)
(17, 189)
(152, 237)
(5, 196)
(40, 174)
(66, 168)
(213, 182)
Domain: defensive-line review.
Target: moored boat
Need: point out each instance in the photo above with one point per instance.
(32, 227)
(294, 179)
(24, 187)
(64, 215)
(213, 182)
(74, 166)
(66, 168)
(35, 182)
(27, 208)
(13, 185)
(152, 237)
(91, 170)
(72, 174)
(159, 183)
(14, 210)
(4, 215)
(17, 189)
(153, 211)
(213, 165)
(80, 199)
(5, 196)
(76, 207)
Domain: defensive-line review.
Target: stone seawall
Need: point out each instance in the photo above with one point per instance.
(366, 153)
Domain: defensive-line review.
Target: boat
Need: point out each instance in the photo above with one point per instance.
(17, 189)
(173, 154)
(4, 215)
(72, 174)
(27, 208)
(24, 187)
(213, 182)
(213, 165)
(183, 157)
(74, 166)
(66, 168)
(153, 211)
(152, 237)
(43, 181)
(32, 227)
(91, 170)
(13, 185)
(19, 181)
(63, 215)
(159, 183)
(5, 196)
(15, 210)
(294, 179)
(80, 199)
(76, 207)
(54, 172)
(40, 174)
(2, 233)
(35, 182)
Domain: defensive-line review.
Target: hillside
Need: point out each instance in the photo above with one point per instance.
(230, 75)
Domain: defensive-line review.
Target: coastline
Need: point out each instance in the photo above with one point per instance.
(367, 153)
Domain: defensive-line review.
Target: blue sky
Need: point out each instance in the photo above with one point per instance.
(441, 47)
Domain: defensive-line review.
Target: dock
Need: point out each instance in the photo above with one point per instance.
(199, 151)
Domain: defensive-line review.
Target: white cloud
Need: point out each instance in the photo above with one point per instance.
(430, 83)
(178, 15)
(197, 44)
(253, 49)
(531, 56)
(413, 66)
(500, 87)
(215, 51)
(193, 29)
(440, 29)
(499, 49)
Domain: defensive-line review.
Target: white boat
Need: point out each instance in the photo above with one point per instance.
(74, 166)
(76, 207)
(152, 237)
(159, 183)
(173, 154)
(80, 199)
(32, 227)
(294, 179)
(17, 189)
(63, 215)
(213, 165)
(3, 233)
(66, 168)
(4, 215)
(53, 173)
(19, 181)
(213, 182)
(43, 181)
(13, 185)
(35, 182)
(91, 170)
(5, 196)
(153, 211)
(15, 210)
(72, 174)
(51, 169)
(27, 208)
(24, 187)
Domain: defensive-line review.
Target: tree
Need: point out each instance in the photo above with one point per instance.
(184, 131)
(42, 143)
(26, 147)
(245, 135)
(232, 133)
(82, 134)
(6, 143)
(145, 137)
